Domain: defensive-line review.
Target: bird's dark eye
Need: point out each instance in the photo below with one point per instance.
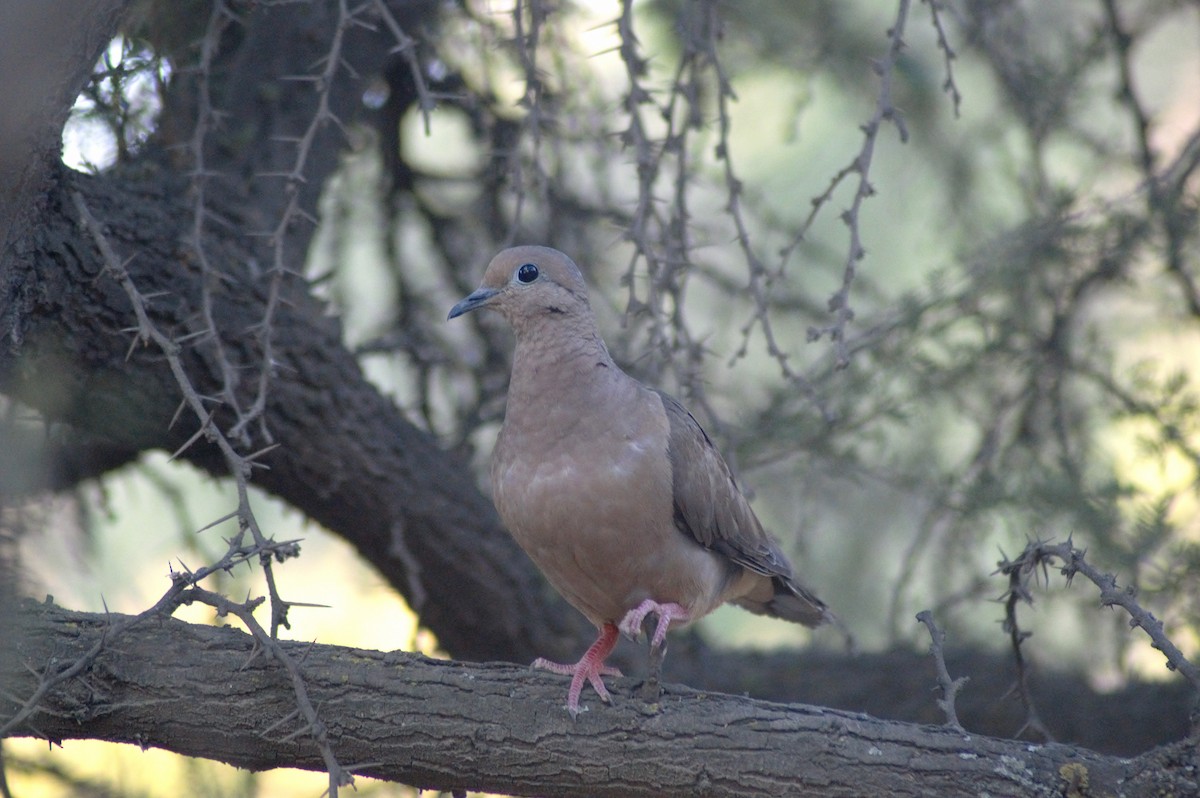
(527, 273)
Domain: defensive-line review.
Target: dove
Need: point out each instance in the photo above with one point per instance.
(612, 487)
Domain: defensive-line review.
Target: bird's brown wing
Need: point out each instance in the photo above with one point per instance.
(713, 511)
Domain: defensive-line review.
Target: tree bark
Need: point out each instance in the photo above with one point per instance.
(205, 691)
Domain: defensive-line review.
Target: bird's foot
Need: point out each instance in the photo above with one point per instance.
(590, 668)
(631, 624)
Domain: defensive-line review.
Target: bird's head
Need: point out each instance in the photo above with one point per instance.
(527, 285)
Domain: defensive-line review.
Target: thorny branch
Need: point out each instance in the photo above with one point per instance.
(57, 673)
(760, 278)
(885, 111)
(240, 467)
(1040, 556)
(1163, 198)
(184, 586)
(407, 46)
(293, 212)
(206, 118)
(1018, 590)
(660, 231)
(339, 776)
(936, 7)
(529, 18)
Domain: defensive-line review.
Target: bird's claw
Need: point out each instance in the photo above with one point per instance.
(631, 624)
(631, 631)
(590, 669)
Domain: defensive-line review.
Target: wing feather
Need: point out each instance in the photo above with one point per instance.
(711, 508)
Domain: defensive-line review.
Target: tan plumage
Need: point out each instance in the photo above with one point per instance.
(611, 487)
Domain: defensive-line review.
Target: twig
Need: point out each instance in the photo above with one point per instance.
(264, 550)
(1018, 591)
(661, 231)
(206, 117)
(1071, 562)
(1041, 555)
(885, 111)
(315, 727)
(1164, 201)
(56, 673)
(537, 113)
(146, 331)
(760, 278)
(294, 178)
(407, 46)
(936, 7)
(949, 687)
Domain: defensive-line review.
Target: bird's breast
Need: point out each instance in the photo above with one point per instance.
(581, 488)
(592, 505)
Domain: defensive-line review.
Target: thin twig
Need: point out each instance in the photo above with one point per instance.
(948, 686)
(1018, 591)
(206, 117)
(314, 726)
(264, 550)
(936, 7)
(1164, 201)
(1071, 561)
(885, 111)
(58, 672)
(407, 46)
(294, 179)
(1040, 556)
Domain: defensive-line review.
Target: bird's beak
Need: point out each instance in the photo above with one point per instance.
(476, 299)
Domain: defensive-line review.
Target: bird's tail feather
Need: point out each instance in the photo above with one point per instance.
(792, 601)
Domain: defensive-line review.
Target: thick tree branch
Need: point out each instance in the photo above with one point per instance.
(209, 692)
(347, 456)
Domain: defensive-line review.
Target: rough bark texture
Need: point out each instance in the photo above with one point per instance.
(203, 691)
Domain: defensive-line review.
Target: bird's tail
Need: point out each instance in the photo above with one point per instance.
(792, 601)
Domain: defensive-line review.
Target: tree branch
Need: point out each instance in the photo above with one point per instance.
(202, 691)
(394, 477)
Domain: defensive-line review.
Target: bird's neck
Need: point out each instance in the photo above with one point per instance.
(557, 362)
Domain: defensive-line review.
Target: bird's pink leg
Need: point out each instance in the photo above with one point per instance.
(590, 667)
(631, 624)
